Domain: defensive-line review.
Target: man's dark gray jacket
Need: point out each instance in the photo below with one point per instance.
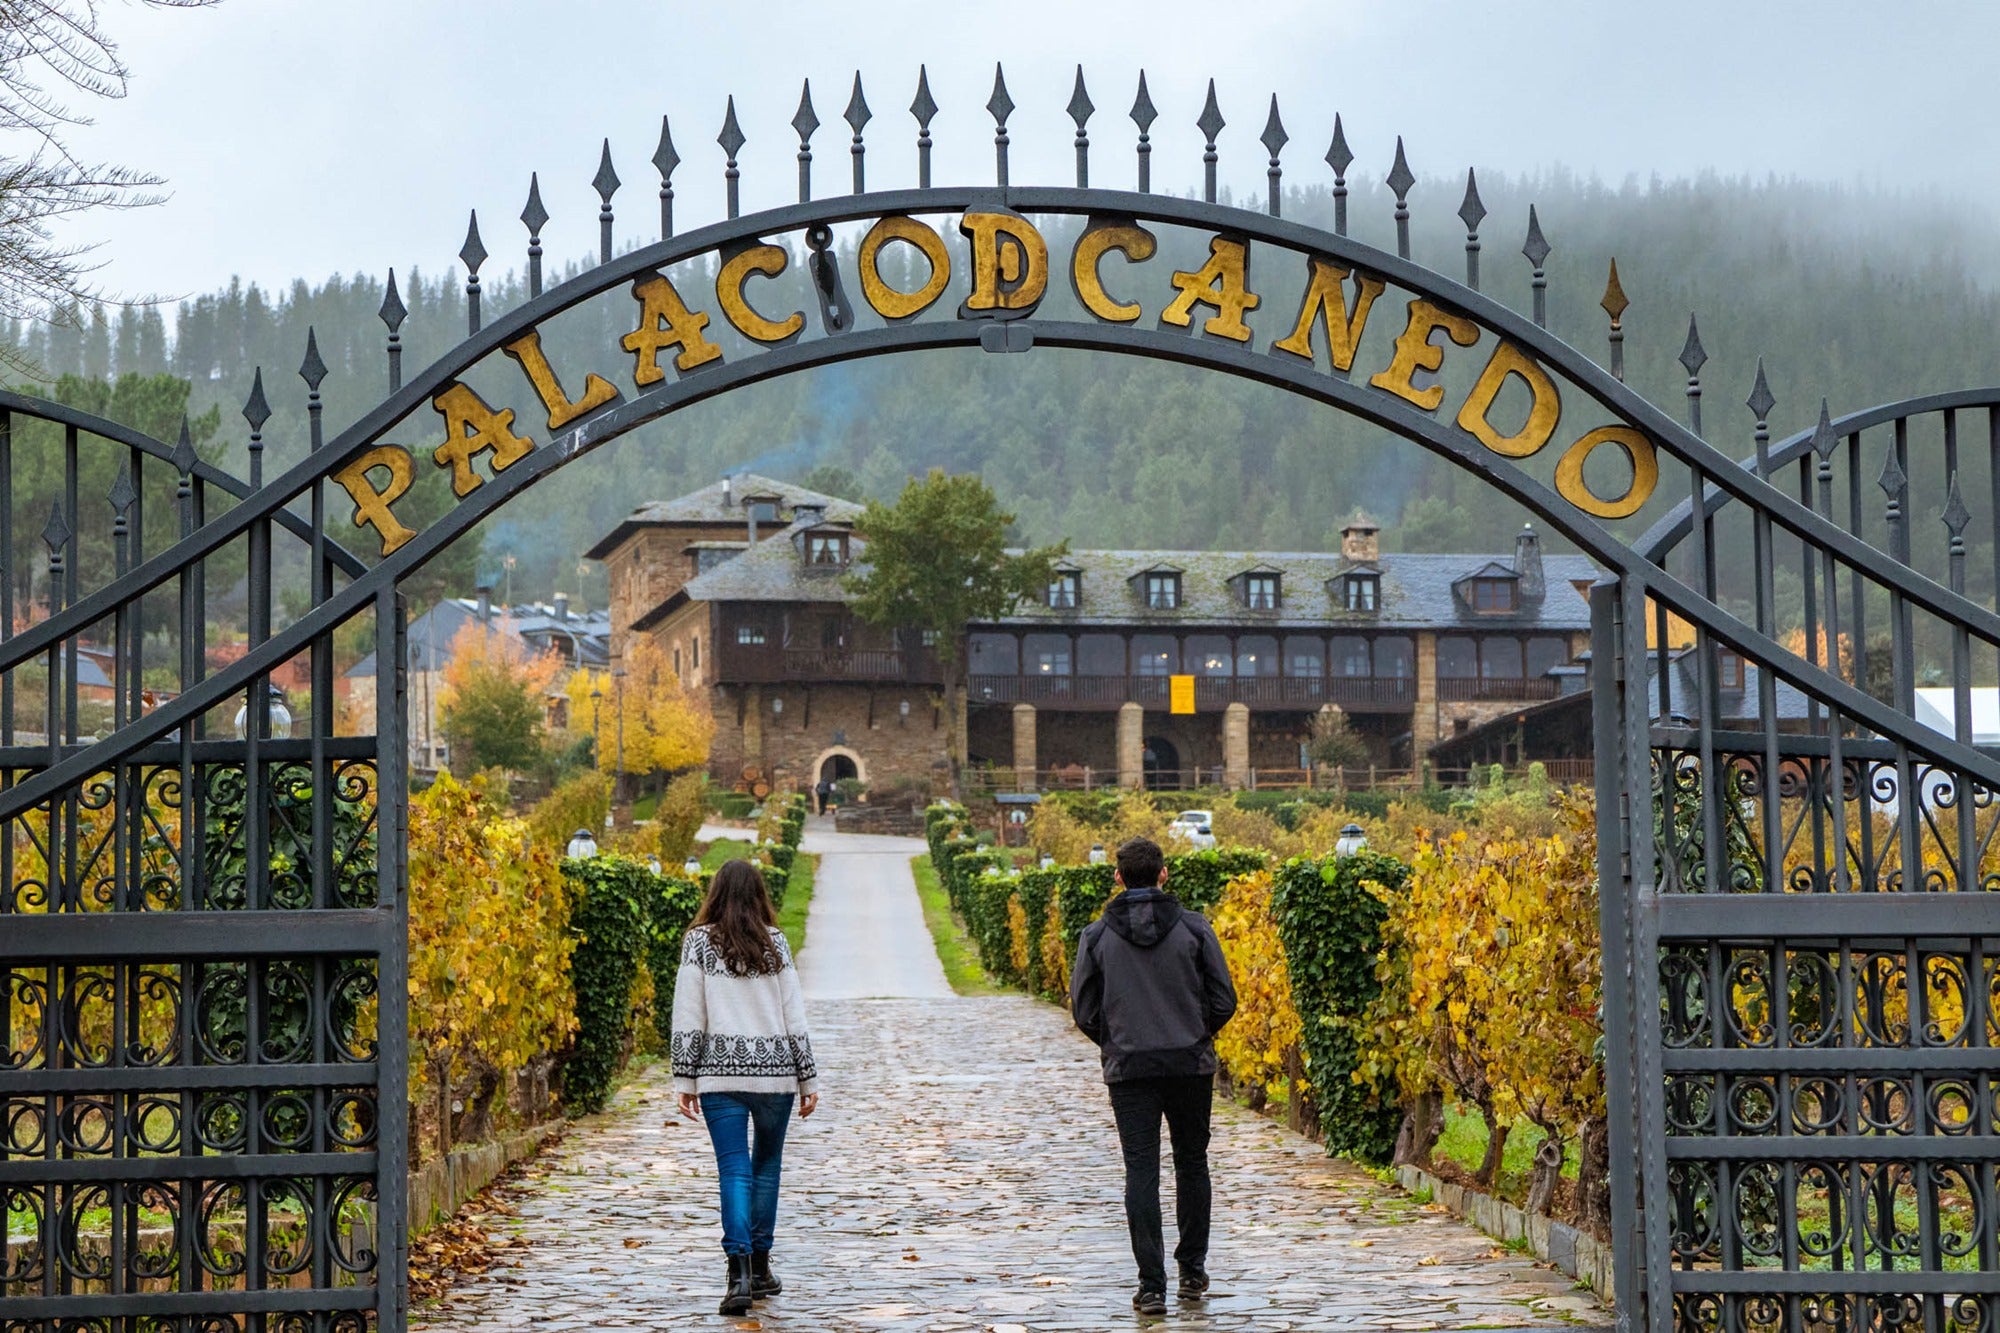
(1150, 987)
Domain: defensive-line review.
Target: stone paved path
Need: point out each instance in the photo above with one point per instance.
(962, 1176)
(865, 933)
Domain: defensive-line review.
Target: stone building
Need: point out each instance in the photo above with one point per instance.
(741, 583)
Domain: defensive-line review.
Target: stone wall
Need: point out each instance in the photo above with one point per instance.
(863, 722)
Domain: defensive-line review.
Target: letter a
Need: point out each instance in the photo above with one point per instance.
(665, 321)
(1219, 283)
(470, 429)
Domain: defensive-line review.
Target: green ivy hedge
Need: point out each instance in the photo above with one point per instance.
(1330, 924)
(624, 917)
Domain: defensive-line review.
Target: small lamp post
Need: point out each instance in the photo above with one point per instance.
(692, 867)
(1048, 862)
(581, 845)
(596, 703)
(1352, 839)
(277, 717)
(653, 864)
(1097, 856)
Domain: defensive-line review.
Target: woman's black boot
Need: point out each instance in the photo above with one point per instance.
(763, 1282)
(737, 1299)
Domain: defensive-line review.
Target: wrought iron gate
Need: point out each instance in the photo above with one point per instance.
(202, 995)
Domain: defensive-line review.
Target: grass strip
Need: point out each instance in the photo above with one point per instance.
(955, 949)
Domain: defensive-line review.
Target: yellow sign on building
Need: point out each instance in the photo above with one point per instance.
(1180, 694)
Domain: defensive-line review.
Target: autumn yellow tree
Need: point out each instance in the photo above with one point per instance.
(491, 703)
(665, 727)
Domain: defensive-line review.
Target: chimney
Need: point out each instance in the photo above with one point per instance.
(562, 607)
(751, 510)
(1360, 540)
(1528, 563)
(727, 487)
(485, 592)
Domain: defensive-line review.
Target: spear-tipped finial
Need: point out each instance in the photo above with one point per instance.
(1892, 481)
(665, 158)
(1401, 178)
(1537, 250)
(1955, 514)
(732, 141)
(56, 532)
(313, 369)
(923, 107)
(606, 181)
(1824, 441)
(1536, 247)
(1001, 106)
(805, 120)
(1079, 109)
(123, 494)
(392, 312)
(1614, 302)
(1694, 356)
(857, 116)
(184, 457)
(1471, 211)
(1760, 402)
(534, 217)
(473, 253)
(1274, 139)
(1143, 114)
(1210, 124)
(256, 409)
(1340, 157)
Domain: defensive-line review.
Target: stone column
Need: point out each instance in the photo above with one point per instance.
(1024, 747)
(1236, 746)
(1131, 745)
(1424, 722)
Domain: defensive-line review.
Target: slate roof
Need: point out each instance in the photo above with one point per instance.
(720, 503)
(586, 634)
(1416, 590)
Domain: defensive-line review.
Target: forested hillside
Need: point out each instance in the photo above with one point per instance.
(1853, 295)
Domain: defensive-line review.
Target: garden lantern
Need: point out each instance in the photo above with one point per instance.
(653, 864)
(582, 845)
(1097, 857)
(691, 867)
(278, 718)
(1351, 840)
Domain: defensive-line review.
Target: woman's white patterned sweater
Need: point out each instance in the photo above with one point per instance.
(739, 1033)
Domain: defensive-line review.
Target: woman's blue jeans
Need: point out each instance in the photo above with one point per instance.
(747, 1163)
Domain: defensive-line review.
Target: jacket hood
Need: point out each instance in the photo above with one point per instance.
(1143, 916)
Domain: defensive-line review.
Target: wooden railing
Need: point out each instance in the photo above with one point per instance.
(1508, 689)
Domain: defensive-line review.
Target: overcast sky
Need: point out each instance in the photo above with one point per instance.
(304, 139)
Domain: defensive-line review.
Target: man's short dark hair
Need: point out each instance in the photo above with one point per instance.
(1140, 862)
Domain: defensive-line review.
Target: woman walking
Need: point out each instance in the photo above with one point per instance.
(740, 1053)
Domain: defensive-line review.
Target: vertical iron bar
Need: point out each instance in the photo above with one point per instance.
(392, 1069)
(73, 507)
(1841, 880)
(1651, 1249)
(1773, 870)
(1614, 908)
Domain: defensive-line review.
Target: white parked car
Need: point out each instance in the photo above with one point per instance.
(1193, 828)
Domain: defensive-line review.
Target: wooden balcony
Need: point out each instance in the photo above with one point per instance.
(743, 664)
(1354, 694)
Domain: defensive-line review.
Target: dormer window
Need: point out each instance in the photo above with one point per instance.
(1493, 596)
(826, 548)
(763, 508)
(1163, 592)
(1729, 669)
(1260, 592)
(1066, 590)
(1361, 592)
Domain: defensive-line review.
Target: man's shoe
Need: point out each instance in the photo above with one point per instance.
(1194, 1282)
(737, 1299)
(1150, 1302)
(763, 1282)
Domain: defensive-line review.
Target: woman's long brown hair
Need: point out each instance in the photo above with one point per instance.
(737, 912)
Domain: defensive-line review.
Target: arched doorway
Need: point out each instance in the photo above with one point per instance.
(837, 767)
(1162, 762)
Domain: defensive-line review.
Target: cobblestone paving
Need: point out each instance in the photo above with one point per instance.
(962, 1176)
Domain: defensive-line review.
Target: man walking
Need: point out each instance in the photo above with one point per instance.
(1151, 989)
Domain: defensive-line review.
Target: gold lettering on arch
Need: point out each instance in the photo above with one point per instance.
(1543, 412)
(1221, 284)
(769, 260)
(1415, 351)
(1639, 452)
(1128, 239)
(371, 503)
(891, 304)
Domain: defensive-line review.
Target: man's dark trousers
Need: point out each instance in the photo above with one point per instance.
(1139, 1105)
